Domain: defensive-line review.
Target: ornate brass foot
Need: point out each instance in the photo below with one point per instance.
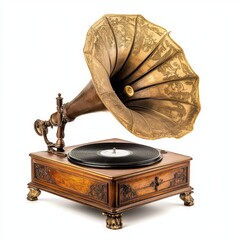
(114, 220)
(187, 198)
(33, 194)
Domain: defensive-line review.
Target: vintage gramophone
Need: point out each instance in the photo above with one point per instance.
(142, 77)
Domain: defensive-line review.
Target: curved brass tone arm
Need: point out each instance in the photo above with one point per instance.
(56, 119)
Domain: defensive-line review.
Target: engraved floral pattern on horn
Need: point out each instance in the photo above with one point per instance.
(128, 50)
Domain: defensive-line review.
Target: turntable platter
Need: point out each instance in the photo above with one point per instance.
(114, 155)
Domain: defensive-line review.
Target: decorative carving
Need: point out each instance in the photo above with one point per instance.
(99, 192)
(33, 194)
(43, 173)
(114, 220)
(156, 183)
(187, 198)
(180, 177)
(126, 193)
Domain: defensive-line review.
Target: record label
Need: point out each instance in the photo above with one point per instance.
(115, 153)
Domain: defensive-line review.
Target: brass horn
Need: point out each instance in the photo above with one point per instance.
(140, 75)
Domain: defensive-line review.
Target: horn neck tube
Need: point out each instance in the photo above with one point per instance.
(86, 101)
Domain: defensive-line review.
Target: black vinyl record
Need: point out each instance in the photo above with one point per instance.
(114, 155)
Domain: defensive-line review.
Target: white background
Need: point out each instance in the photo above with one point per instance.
(41, 54)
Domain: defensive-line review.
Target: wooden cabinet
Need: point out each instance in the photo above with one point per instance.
(111, 190)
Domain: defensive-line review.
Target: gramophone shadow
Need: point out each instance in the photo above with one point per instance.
(141, 213)
(130, 217)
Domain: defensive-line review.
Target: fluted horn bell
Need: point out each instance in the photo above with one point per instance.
(142, 76)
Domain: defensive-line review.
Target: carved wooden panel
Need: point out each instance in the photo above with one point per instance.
(126, 193)
(153, 184)
(43, 173)
(76, 183)
(99, 192)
